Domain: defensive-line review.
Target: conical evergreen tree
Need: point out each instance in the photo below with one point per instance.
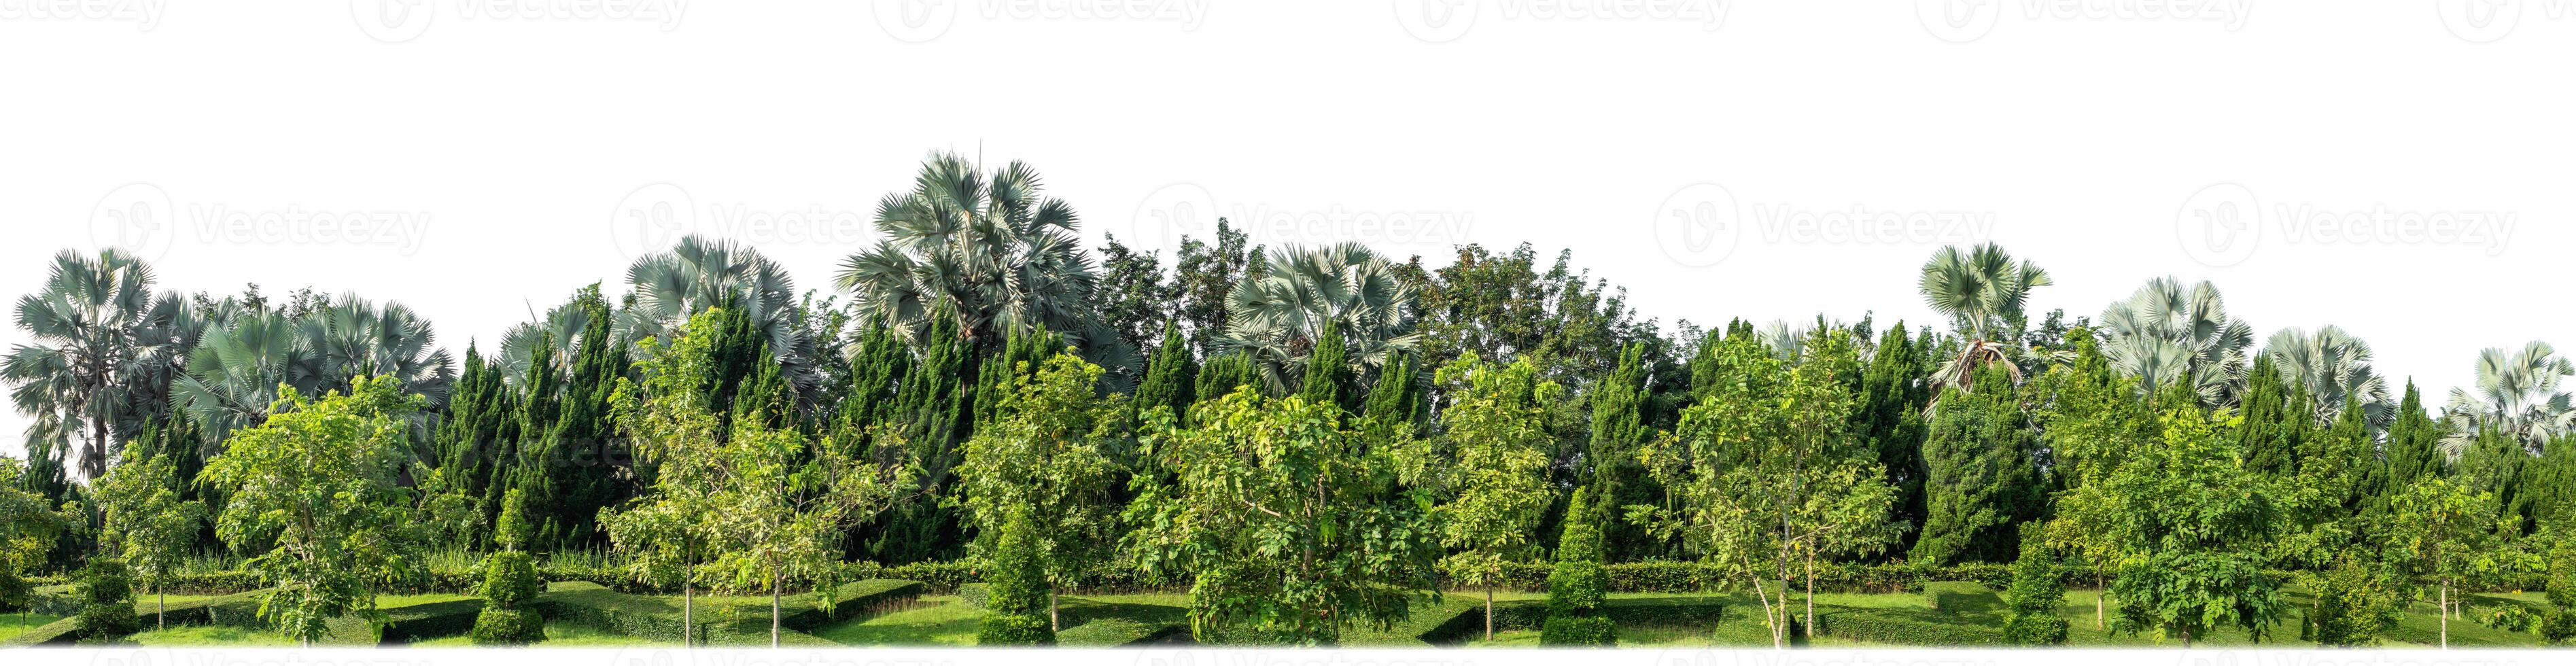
(1893, 391)
(1328, 371)
(1170, 376)
(1982, 476)
(1618, 428)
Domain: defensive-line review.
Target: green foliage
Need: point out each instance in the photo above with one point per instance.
(148, 522)
(1982, 477)
(1287, 526)
(1170, 377)
(107, 600)
(1490, 467)
(512, 530)
(2355, 602)
(1574, 631)
(510, 579)
(2038, 591)
(1007, 630)
(501, 626)
(1890, 417)
(1580, 582)
(1328, 370)
(2183, 523)
(319, 487)
(2562, 572)
(1046, 454)
(1018, 592)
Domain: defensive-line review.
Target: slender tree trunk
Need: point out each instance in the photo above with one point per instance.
(1055, 617)
(2100, 592)
(773, 611)
(1811, 593)
(2445, 613)
(688, 613)
(2186, 638)
(160, 607)
(1489, 612)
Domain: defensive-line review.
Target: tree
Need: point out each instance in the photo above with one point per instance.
(319, 487)
(1982, 478)
(1019, 587)
(509, 582)
(1580, 582)
(1133, 294)
(1328, 372)
(2164, 334)
(2038, 590)
(1280, 313)
(1044, 454)
(98, 338)
(28, 528)
(1894, 389)
(150, 524)
(781, 504)
(2335, 368)
(2517, 394)
(1492, 464)
(2355, 602)
(1205, 275)
(1171, 378)
(107, 600)
(1764, 467)
(987, 251)
(1288, 526)
(2442, 533)
(1983, 293)
(2187, 526)
(512, 531)
(697, 275)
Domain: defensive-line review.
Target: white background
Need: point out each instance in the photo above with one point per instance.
(524, 142)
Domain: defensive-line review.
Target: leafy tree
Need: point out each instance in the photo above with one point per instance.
(1204, 275)
(668, 534)
(101, 345)
(2561, 590)
(1580, 582)
(1045, 454)
(1982, 474)
(1020, 592)
(2038, 590)
(1492, 464)
(2443, 533)
(2354, 603)
(1288, 526)
(1133, 295)
(28, 528)
(781, 504)
(149, 523)
(319, 487)
(2185, 524)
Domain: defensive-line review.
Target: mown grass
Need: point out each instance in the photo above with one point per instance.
(13, 624)
(557, 636)
(931, 621)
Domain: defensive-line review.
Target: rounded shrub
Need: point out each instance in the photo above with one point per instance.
(1580, 583)
(1017, 588)
(509, 582)
(107, 601)
(2560, 628)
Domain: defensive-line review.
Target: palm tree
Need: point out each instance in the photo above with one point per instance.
(351, 337)
(2164, 333)
(551, 336)
(1277, 310)
(986, 250)
(234, 372)
(100, 338)
(1983, 293)
(2335, 367)
(698, 274)
(2518, 393)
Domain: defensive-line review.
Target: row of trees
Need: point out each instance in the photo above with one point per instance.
(1300, 435)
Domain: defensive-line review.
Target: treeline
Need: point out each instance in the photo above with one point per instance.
(1298, 434)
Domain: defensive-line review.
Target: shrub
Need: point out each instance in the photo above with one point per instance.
(2562, 574)
(510, 579)
(2560, 628)
(1018, 597)
(2038, 590)
(2511, 617)
(1579, 584)
(2354, 604)
(1568, 630)
(502, 626)
(107, 601)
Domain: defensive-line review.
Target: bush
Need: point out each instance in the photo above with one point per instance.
(510, 579)
(2562, 574)
(501, 626)
(107, 601)
(2354, 604)
(1001, 630)
(2038, 590)
(1567, 630)
(1018, 597)
(2511, 618)
(2560, 628)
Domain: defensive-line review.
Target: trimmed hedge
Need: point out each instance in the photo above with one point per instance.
(1906, 628)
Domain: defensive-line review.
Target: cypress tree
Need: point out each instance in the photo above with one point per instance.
(1328, 371)
(1618, 428)
(932, 406)
(1981, 475)
(1394, 404)
(1223, 374)
(582, 442)
(1893, 392)
(2413, 449)
(2269, 433)
(1169, 376)
(1580, 582)
(1019, 589)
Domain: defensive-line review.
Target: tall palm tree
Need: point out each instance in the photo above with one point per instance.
(2165, 333)
(247, 352)
(1277, 310)
(352, 337)
(2335, 367)
(2518, 393)
(100, 338)
(1983, 292)
(698, 274)
(551, 336)
(987, 250)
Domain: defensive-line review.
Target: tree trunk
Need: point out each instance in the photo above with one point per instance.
(1489, 612)
(688, 613)
(2186, 638)
(773, 611)
(2445, 613)
(1055, 618)
(1811, 593)
(160, 607)
(2101, 591)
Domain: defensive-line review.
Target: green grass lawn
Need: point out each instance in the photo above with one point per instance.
(932, 621)
(557, 636)
(211, 636)
(13, 624)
